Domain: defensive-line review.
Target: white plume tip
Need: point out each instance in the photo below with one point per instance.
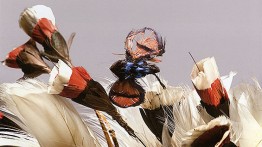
(207, 75)
(30, 16)
(59, 77)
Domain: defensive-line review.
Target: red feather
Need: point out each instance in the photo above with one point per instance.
(214, 94)
(75, 86)
(10, 61)
(43, 30)
(1, 115)
(83, 73)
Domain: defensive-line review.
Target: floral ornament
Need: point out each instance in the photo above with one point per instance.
(28, 58)
(39, 23)
(206, 80)
(214, 134)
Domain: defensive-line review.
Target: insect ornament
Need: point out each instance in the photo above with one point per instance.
(141, 47)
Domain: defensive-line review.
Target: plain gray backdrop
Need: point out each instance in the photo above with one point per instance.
(229, 30)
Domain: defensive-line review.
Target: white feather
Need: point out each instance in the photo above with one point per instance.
(30, 16)
(15, 137)
(186, 116)
(245, 113)
(252, 131)
(167, 140)
(123, 138)
(134, 119)
(155, 94)
(227, 80)
(51, 119)
(207, 75)
(35, 108)
(90, 119)
(59, 77)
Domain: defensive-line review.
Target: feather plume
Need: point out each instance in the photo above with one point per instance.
(59, 76)
(206, 80)
(134, 119)
(245, 112)
(28, 58)
(16, 137)
(186, 116)
(39, 23)
(61, 125)
(30, 17)
(207, 75)
(189, 114)
(186, 112)
(10, 60)
(66, 81)
(12, 134)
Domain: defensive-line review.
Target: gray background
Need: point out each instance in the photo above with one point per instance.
(230, 30)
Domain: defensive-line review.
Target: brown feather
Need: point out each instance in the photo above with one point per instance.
(53, 42)
(211, 137)
(30, 61)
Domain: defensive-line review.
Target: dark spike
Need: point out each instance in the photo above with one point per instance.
(194, 61)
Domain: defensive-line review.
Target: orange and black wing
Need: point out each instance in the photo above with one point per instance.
(126, 93)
